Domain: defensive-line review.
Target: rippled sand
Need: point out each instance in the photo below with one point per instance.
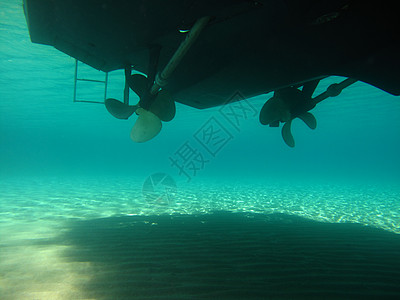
(103, 239)
(372, 205)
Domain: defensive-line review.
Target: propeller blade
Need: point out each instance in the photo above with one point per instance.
(274, 124)
(147, 126)
(287, 134)
(309, 88)
(309, 119)
(274, 110)
(139, 84)
(266, 117)
(119, 109)
(163, 106)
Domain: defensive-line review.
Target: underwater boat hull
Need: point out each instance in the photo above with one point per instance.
(251, 47)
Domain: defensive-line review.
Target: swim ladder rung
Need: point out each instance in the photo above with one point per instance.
(76, 79)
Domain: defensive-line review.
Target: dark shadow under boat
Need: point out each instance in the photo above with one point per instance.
(233, 256)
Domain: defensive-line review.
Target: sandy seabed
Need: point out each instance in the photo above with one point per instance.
(91, 240)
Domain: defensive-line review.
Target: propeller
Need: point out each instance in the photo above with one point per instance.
(161, 107)
(287, 134)
(290, 103)
(286, 105)
(147, 126)
(155, 104)
(157, 108)
(119, 109)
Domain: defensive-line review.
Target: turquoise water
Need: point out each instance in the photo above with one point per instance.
(63, 161)
(44, 133)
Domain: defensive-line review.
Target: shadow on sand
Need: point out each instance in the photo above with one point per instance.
(233, 256)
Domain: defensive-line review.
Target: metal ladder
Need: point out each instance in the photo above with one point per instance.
(76, 79)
